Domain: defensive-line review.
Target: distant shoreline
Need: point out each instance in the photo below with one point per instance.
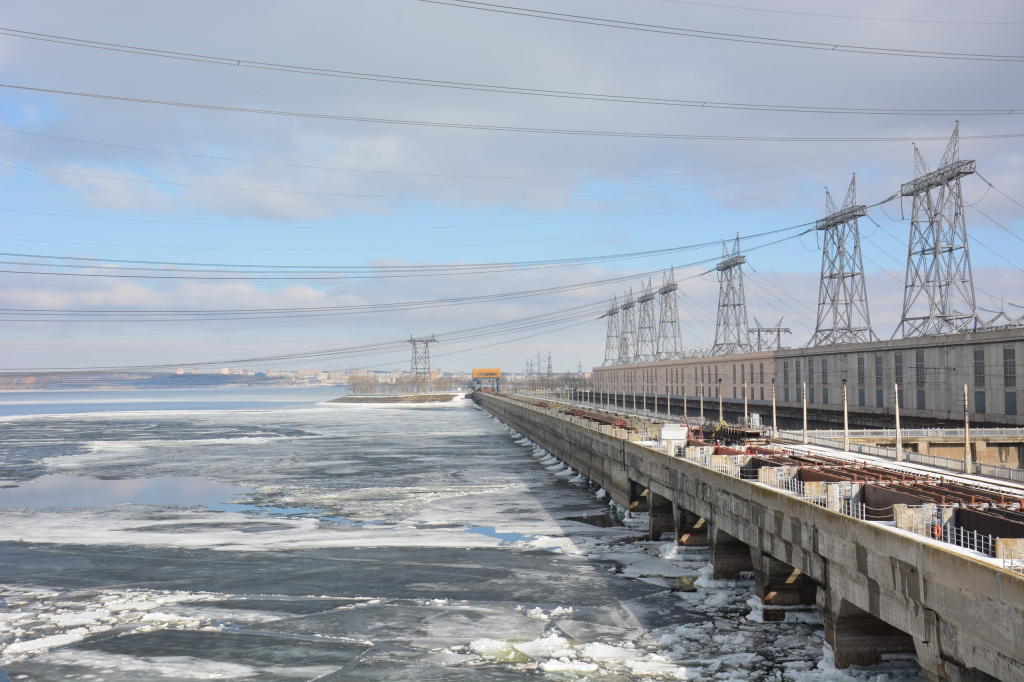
(415, 398)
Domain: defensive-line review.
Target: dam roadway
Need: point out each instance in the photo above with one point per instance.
(879, 590)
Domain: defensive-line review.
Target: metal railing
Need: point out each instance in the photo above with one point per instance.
(999, 471)
(988, 432)
(1013, 560)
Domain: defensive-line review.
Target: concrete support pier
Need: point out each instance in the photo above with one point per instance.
(691, 529)
(662, 519)
(879, 591)
(730, 557)
(780, 585)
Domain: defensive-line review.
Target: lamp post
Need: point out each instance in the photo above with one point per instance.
(899, 434)
(846, 422)
(803, 394)
(721, 414)
(968, 464)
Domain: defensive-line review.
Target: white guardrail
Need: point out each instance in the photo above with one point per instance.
(830, 440)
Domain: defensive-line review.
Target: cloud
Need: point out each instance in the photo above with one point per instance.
(442, 195)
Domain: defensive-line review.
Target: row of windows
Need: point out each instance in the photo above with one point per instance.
(920, 370)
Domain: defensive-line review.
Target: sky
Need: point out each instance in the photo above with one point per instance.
(363, 171)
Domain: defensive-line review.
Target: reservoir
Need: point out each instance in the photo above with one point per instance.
(267, 534)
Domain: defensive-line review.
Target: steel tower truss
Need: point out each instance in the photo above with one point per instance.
(611, 342)
(627, 329)
(670, 339)
(768, 338)
(732, 333)
(938, 297)
(646, 340)
(420, 367)
(842, 297)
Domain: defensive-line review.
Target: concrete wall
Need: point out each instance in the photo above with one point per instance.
(995, 383)
(947, 363)
(689, 376)
(878, 590)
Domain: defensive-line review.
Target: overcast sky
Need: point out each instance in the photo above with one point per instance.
(131, 181)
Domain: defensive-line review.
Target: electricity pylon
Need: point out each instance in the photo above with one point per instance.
(420, 366)
(938, 297)
(842, 296)
(646, 341)
(627, 329)
(611, 342)
(670, 339)
(732, 333)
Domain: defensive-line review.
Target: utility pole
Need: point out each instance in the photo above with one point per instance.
(968, 464)
(899, 434)
(702, 402)
(804, 396)
(775, 423)
(746, 421)
(721, 414)
(846, 422)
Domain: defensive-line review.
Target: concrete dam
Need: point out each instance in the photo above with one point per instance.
(879, 589)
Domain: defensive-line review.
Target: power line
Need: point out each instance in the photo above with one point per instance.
(401, 305)
(442, 197)
(454, 268)
(721, 36)
(485, 87)
(435, 175)
(498, 128)
(998, 190)
(847, 16)
(356, 350)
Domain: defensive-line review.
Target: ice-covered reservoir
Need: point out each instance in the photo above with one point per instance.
(283, 539)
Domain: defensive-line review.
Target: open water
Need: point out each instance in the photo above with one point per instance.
(263, 534)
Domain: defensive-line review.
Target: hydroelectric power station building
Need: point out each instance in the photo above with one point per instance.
(940, 345)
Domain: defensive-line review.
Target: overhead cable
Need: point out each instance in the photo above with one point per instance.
(499, 128)
(492, 88)
(723, 36)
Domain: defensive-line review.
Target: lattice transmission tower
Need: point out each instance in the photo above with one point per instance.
(768, 338)
(420, 366)
(842, 296)
(611, 339)
(646, 339)
(732, 333)
(938, 297)
(627, 329)
(670, 338)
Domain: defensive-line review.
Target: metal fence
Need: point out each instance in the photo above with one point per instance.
(999, 472)
(1015, 432)
(1013, 560)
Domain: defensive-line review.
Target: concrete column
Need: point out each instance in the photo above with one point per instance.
(637, 497)
(857, 637)
(691, 529)
(779, 584)
(729, 556)
(939, 668)
(662, 519)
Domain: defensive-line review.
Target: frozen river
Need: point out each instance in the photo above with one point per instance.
(266, 535)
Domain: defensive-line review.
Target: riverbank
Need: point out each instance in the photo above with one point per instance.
(414, 398)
